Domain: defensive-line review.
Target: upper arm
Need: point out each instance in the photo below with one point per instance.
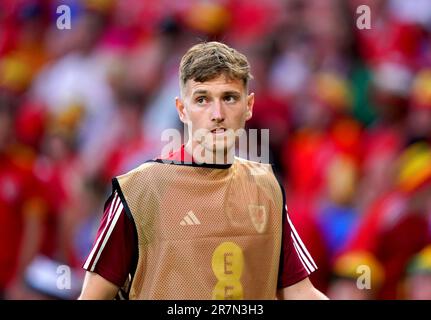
(96, 287)
(108, 264)
(114, 252)
(302, 290)
(296, 262)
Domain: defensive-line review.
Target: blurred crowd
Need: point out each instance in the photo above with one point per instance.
(348, 111)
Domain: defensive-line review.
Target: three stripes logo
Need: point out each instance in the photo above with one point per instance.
(190, 219)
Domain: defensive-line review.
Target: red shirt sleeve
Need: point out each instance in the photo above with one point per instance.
(113, 251)
(296, 262)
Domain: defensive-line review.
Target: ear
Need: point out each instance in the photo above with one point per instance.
(181, 109)
(250, 103)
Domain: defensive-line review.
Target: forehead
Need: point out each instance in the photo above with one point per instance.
(217, 85)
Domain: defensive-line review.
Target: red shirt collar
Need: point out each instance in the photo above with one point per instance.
(180, 155)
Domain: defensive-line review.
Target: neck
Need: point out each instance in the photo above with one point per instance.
(209, 156)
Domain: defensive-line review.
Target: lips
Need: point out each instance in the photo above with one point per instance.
(218, 130)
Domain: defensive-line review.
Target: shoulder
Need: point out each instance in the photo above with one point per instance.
(136, 176)
(147, 176)
(251, 163)
(146, 168)
(255, 168)
(261, 173)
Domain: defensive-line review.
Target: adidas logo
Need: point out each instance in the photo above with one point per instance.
(190, 219)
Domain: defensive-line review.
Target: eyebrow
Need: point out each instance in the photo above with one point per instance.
(232, 93)
(200, 92)
(223, 93)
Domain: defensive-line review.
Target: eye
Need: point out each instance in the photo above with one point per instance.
(201, 100)
(230, 98)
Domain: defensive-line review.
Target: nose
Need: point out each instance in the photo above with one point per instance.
(217, 112)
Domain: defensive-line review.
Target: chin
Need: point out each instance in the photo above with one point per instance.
(222, 144)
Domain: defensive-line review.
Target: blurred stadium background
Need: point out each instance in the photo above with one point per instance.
(349, 113)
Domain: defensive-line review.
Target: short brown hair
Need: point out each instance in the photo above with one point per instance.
(206, 61)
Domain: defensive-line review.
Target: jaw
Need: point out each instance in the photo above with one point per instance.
(220, 150)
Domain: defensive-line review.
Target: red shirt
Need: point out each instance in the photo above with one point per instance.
(114, 251)
(19, 197)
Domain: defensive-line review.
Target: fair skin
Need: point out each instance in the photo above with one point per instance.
(215, 109)
(224, 104)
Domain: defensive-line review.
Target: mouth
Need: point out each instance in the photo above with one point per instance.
(220, 130)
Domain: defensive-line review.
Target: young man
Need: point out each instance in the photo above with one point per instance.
(201, 223)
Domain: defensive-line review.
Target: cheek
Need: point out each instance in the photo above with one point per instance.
(197, 119)
(243, 117)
